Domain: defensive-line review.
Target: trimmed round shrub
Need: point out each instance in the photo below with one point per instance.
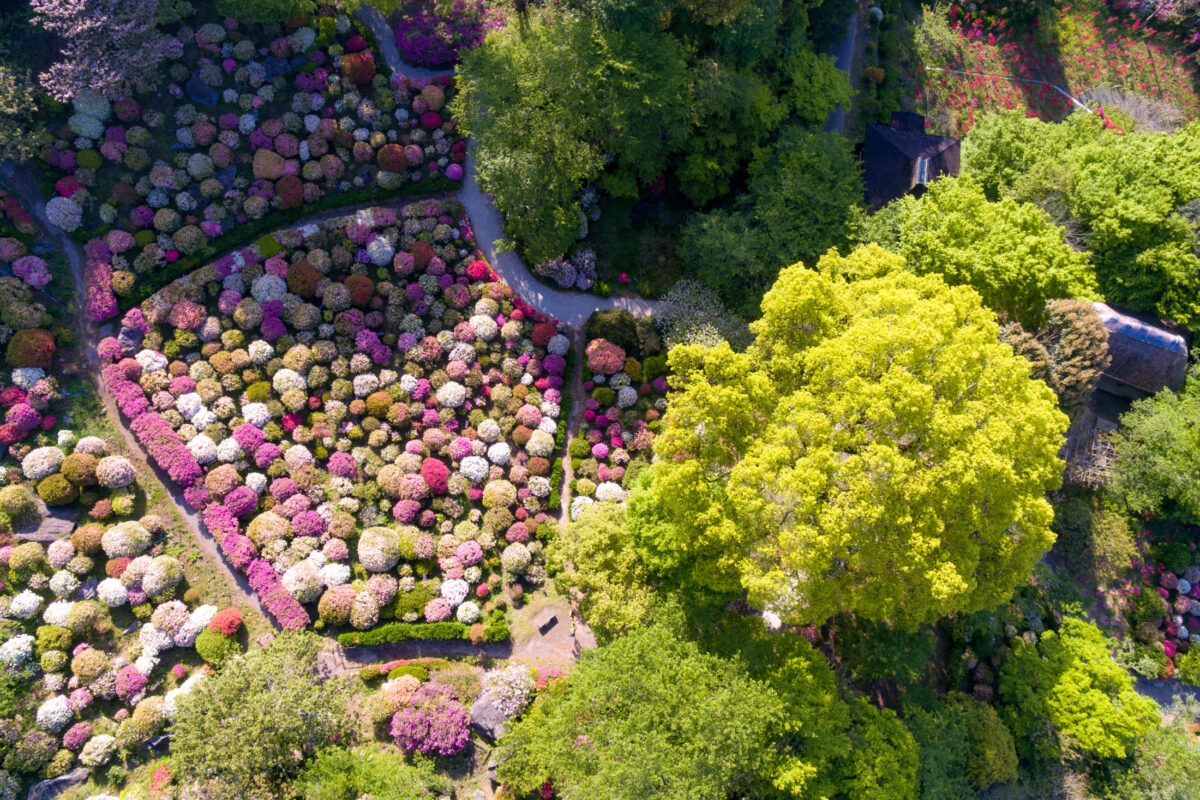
(57, 490)
(80, 469)
(18, 503)
(216, 648)
(32, 347)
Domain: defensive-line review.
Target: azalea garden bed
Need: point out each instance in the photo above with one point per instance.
(363, 412)
(626, 387)
(100, 631)
(98, 625)
(247, 133)
(1094, 47)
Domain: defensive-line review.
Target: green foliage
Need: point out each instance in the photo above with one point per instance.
(53, 637)
(415, 670)
(605, 569)
(874, 652)
(1157, 446)
(815, 729)
(1165, 764)
(1095, 542)
(266, 10)
(216, 648)
(815, 86)
(270, 697)
(1147, 607)
(1065, 694)
(648, 715)
(1188, 666)
(401, 631)
(964, 748)
(21, 134)
(882, 760)
(1118, 194)
(345, 774)
(548, 102)
(17, 501)
(1009, 252)
(883, 452)
(803, 198)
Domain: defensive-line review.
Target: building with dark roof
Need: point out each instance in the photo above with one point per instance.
(1145, 356)
(901, 158)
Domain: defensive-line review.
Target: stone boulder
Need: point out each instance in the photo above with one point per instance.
(56, 786)
(487, 719)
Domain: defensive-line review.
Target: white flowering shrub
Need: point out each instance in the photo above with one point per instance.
(112, 593)
(509, 688)
(126, 539)
(55, 714)
(42, 462)
(25, 605)
(15, 652)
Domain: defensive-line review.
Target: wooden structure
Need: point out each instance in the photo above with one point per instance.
(901, 158)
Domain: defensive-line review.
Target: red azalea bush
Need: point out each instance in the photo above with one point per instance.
(226, 622)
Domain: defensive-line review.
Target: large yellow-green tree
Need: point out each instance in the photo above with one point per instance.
(877, 450)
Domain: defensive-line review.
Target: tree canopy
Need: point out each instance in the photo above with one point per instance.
(270, 697)
(1157, 446)
(649, 715)
(1066, 693)
(342, 774)
(877, 450)
(604, 569)
(553, 104)
(803, 198)
(1009, 252)
(1121, 194)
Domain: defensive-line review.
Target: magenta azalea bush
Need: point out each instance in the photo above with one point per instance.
(434, 39)
(358, 395)
(432, 723)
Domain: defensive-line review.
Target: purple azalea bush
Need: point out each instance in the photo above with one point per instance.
(433, 723)
(436, 40)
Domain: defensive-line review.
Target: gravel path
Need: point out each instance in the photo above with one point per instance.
(21, 181)
(570, 308)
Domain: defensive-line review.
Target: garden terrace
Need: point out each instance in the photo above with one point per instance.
(253, 132)
(364, 413)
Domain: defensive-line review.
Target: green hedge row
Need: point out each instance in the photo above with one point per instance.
(401, 631)
(495, 631)
(244, 234)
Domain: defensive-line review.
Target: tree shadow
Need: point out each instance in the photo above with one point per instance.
(1035, 55)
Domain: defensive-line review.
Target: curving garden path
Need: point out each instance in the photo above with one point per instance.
(21, 181)
(570, 308)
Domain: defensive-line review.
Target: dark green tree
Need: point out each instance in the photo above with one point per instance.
(563, 101)
(803, 198)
